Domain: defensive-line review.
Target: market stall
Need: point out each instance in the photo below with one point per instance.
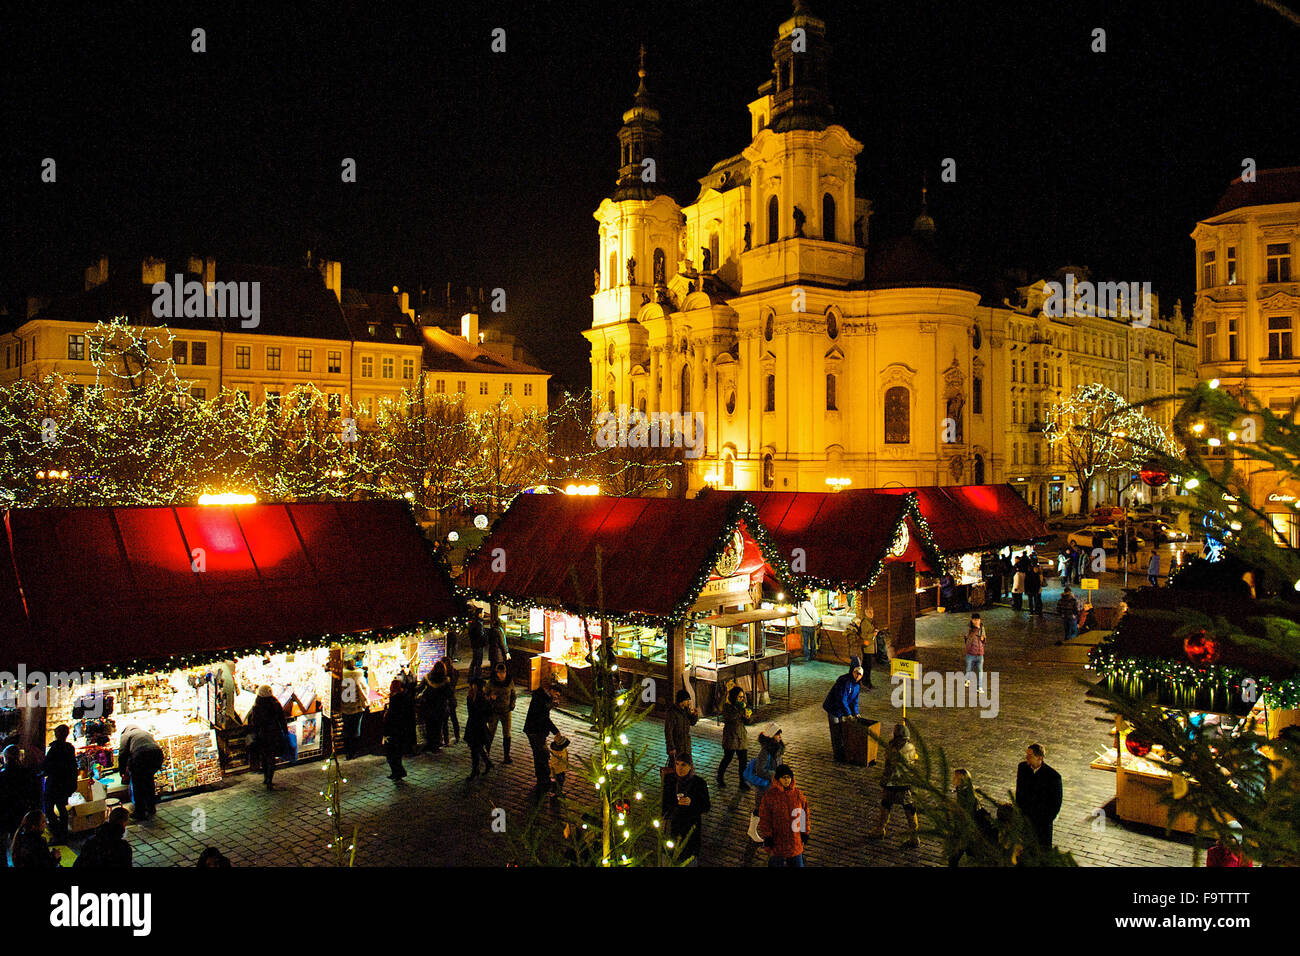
(853, 550)
(1207, 686)
(968, 522)
(182, 612)
(686, 590)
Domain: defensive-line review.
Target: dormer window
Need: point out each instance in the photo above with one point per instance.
(397, 331)
(371, 329)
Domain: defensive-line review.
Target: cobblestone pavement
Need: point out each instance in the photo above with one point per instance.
(435, 817)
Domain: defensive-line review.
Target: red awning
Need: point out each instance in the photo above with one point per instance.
(112, 586)
(966, 518)
(655, 552)
(845, 537)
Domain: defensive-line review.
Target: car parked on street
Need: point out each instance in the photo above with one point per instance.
(1086, 537)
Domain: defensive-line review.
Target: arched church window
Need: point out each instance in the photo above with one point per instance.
(773, 220)
(832, 325)
(769, 394)
(768, 327)
(686, 389)
(979, 469)
(830, 394)
(713, 250)
(611, 276)
(977, 398)
(828, 217)
(769, 471)
(898, 416)
(611, 401)
(611, 353)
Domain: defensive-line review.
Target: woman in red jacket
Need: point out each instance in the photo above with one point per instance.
(783, 820)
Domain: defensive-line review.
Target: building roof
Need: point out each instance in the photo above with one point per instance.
(291, 302)
(1271, 186)
(86, 588)
(908, 261)
(444, 352)
(964, 518)
(845, 537)
(383, 311)
(656, 554)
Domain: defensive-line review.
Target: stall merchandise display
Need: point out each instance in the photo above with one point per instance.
(296, 680)
(189, 760)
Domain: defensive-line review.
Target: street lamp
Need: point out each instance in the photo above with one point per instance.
(838, 484)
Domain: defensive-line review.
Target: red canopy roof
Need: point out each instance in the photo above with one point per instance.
(976, 517)
(112, 586)
(845, 536)
(656, 553)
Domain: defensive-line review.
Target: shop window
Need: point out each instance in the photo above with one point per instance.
(898, 416)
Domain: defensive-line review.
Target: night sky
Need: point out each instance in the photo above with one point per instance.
(483, 169)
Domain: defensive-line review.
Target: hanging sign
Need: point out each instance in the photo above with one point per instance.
(719, 587)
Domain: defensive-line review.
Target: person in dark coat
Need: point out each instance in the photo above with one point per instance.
(107, 847)
(478, 711)
(495, 635)
(841, 704)
(685, 801)
(501, 692)
(29, 849)
(138, 758)
(1034, 585)
(399, 728)
(453, 678)
(19, 795)
(735, 739)
(270, 733)
(433, 699)
(1068, 608)
(679, 720)
(477, 643)
(60, 770)
(1038, 793)
(538, 726)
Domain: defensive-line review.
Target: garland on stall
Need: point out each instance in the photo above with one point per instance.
(1135, 674)
(738, 511)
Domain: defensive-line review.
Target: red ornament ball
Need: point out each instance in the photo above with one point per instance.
(1154, 475)
(1137, 746)
(1201, 648)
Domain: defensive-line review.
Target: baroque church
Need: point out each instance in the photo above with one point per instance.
(814, 357)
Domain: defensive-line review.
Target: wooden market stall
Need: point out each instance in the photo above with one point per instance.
(854, 550)
(171, 617)
(689, 591)
(1207, 685)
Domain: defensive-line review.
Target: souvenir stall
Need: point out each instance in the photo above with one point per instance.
(687, 590)
(1207, 685)
(186, 611)
(967, 521)
(854, 550)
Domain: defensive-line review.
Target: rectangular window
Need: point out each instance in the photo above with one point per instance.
(508, 388)
(76, 393)
(273, 403)
(199, 394)
(1015, 454)
(1036, 453)
(243, 356)
(335, 362)
(528, 388)
(1278, 259)
(333, 404)
(273, 359)
(1058, 376)
(1036, 411)
(1035, 373)
(199, 353)
(1233, 355)
(1208, 332)
(304, 360)
(1207, 269)
(180, 352)
(367, 366)
(408, 369)
(1015, 414)
(483, 388)
(388, 368)
(830, 394)
(1279, 337)
(363, 408)
(76, 347)
(1013, 370)
(1024, 372)
(1232, 265)
(439, 386)
(245, 396)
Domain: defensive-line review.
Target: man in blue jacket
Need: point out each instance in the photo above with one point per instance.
(841, 704)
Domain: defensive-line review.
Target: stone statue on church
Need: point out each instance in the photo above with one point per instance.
(661, 266)
(645, 298)
(706, 258)
(596, 275)
(631, 270)
(747, 237)
(799, 219)
(954, 406)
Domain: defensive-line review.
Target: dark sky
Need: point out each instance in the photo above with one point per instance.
(484, 169)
